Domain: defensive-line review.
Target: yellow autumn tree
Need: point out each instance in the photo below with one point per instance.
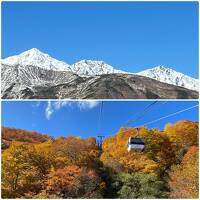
(184, 178)
(182, 135)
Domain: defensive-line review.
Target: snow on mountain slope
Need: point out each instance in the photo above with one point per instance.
(19, 78)
(93, 68)
(86, 68)
(34, 57)
(170, 76)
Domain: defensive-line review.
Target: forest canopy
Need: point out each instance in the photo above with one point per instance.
(39, 166)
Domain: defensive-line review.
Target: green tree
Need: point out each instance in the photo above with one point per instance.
(138, 185)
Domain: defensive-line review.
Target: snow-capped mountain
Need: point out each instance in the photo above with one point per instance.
(93, 68)
(34, 57)
(89, 68)
(170, 76)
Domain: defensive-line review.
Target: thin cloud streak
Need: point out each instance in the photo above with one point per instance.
(57, 105)
(49, 110)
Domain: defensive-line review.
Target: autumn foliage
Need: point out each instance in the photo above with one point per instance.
(75, 182)
(8, 135)
(38, 166)
(184, 177)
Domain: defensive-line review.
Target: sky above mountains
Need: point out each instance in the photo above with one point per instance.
(82, 118)
(130, 36)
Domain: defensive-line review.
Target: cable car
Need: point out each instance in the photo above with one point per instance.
(136, 143)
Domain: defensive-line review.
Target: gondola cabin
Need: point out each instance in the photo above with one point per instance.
(136, 143)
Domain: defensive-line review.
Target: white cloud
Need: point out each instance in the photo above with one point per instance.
(86, 105)
(57, 105)
(49, 110)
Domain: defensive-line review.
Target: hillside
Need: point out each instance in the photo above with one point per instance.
(71, 167)
(35, 83)
(9, 135)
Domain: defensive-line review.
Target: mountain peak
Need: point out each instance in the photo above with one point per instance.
(33, 51)
(93, 68)
(34, 57)
(161, 67)
(91, 62)
(170, 76)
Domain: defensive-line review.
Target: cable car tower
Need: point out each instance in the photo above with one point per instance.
(100, 140)
(100, 137)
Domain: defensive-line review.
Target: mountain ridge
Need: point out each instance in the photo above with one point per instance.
(37, 83)
(170, 76)
(35, 69)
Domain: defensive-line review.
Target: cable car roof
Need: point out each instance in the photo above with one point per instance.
(136, 140)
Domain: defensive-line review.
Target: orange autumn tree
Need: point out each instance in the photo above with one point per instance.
(157, 154)
(13, 134)
(184, 178)
(19, 174)
(73, 167)
(158, 147)
(25, 166)
(116, 156)
(42, 157)
(75, 182)
(74, 150)
(182, 135)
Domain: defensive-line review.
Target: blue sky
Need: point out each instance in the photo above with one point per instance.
(131, 36)
(63, 118)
